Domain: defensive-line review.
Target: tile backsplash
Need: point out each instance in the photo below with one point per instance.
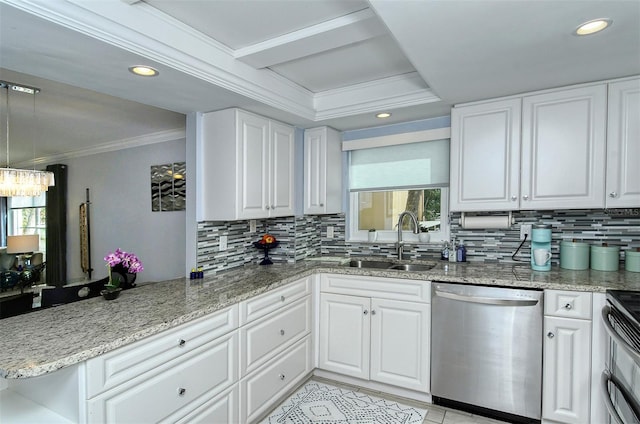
(305, 236)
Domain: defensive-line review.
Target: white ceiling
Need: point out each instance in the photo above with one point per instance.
(306, 62)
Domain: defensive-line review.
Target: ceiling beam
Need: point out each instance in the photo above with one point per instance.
(352, 28)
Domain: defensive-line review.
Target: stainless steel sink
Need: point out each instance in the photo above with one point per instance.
(390, 265)
(370, 264)
(412, 267)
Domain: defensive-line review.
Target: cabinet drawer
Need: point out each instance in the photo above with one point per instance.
(121, 365)
(259, 390)
(385, 288)
(224, 408)
(263, 338)
(209, 369)
(568, 304)
(260, 306)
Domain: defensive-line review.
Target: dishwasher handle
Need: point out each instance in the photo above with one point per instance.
(486, 300)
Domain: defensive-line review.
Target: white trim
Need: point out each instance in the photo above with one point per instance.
(397, 139)
(127, 143)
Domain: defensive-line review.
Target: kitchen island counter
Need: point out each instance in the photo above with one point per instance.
(46, 340)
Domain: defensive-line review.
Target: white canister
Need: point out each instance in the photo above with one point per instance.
(632, 261)
(371, 236)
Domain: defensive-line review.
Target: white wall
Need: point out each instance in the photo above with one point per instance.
(121, 217)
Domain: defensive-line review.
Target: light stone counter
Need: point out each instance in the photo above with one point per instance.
(44, 341)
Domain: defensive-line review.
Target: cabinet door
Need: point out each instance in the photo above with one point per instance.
(253, 166)
(485, 156)
(344, 334)
(563, 149)
(400, 334)
(623, 145)
(315, 169)
(281, 173)
(567, 367)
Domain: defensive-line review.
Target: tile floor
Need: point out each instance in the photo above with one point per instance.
(435, 415)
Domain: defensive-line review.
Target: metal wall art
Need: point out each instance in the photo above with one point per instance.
(169, 187)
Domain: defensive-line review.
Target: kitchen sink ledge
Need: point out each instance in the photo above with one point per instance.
(44, 341)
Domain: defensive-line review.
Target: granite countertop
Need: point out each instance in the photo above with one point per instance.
(44, 341)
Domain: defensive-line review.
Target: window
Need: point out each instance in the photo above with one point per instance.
(385, 181)
(28, 215)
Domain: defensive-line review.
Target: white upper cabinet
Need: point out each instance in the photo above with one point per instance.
(322, 171)
(544, 151)
(623, 145)
(245, 167)
(564, 149)
(485, 156)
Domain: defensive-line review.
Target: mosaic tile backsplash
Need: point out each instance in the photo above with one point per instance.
(305, 236)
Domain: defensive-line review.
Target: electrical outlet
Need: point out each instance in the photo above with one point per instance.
(525, 231)
(223, 243)
(329, 232)
(252, 225)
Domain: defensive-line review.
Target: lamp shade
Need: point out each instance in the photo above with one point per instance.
(23, 244)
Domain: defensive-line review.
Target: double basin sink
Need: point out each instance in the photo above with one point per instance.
(390, 265)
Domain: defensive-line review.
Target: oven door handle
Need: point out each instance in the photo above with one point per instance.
(606, 310)
(608, 403)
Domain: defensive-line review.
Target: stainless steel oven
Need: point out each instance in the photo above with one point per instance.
(621, 378)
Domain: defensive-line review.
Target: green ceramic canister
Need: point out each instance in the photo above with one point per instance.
(574, 255)
(632, 260)
(605, 258)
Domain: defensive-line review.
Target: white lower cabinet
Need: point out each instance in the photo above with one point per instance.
(158, 394)
(261, 389)
(377, 339)
(566, 379)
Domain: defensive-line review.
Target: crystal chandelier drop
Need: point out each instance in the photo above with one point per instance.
(22, 182)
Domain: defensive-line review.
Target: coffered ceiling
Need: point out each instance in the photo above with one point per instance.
(306, 62)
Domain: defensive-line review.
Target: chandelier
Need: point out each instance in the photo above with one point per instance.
(22, 182)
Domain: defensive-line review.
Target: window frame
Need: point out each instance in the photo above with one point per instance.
(391, 236)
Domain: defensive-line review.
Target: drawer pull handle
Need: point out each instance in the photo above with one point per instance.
(181, 391)
(281, 376)
(366, 312)
(181, 342)
(613, 194)
(373, 312)
(567, 306)
(550, 335)
(282, 298)
(282, 332)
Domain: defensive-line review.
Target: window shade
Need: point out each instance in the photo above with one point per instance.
(411, 165)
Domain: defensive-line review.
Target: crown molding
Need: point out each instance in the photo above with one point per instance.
(141, 29)
(127, 143)
(387, 93)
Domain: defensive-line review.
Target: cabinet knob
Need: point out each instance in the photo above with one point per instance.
(514, 198)
(366, 312)
(273, 206)
(568, 306)
(282, 298)
(181, 391)
(373, 312)
(281, 376)
(181, 342)
(550, 335)
(282, 332)
(267, 207)
(321, 205)
(613, 194)
(525, 197)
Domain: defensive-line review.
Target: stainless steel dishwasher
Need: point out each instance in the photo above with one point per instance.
(486, 350)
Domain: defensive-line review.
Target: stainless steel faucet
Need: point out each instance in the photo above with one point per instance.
(415, 229)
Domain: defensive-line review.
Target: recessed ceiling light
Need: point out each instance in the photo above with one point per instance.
(144, 71)
(592, 26)
(383, 115)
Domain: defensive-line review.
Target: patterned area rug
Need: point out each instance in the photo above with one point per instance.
(320, 403)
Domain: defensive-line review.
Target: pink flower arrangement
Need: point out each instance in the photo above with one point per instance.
(128, 260)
